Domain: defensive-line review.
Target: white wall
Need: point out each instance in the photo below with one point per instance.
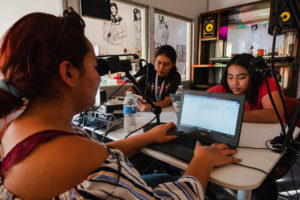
(187, 8)
(12, 10)
(220, 4)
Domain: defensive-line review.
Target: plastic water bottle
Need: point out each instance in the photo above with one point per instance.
(129, 111)
(178, 95)
(179, 90)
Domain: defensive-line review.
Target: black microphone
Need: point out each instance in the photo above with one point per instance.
(148, 68)
(113, 63)
(102, 66)
(259, 64)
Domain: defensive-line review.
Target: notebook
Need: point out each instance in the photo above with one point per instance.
(208, 117)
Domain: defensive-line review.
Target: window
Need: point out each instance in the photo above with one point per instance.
(177, 32)
(123, 34)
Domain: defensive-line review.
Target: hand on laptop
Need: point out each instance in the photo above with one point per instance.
(158, 134)
(207, 157)
(219, 154)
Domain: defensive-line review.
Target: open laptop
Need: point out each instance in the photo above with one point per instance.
(208, 117)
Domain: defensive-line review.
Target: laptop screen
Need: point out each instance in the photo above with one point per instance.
(213, 116)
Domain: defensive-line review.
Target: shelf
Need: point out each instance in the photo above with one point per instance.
(211, 61)
(209, 65)
(284, 59)
(204, 86)
(209, 39)
(280, 64)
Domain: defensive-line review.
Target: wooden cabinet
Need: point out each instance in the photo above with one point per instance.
(214, 45)
(207, 75)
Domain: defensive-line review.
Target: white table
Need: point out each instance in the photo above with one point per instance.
(230, 176)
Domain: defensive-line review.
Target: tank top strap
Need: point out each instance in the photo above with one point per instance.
(26, 146)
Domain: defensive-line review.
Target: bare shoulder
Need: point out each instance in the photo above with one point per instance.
(77, 150)
(58, 165)
(78, 153)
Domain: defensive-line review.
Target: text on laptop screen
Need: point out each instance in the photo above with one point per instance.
(210, 114)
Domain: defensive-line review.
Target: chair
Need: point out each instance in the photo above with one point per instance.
(291, 104)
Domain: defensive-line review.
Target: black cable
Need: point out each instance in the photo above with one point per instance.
(297, 161)
(289, 195)
(108, 98)
(292, 175)
(275, 77)
(146, 80)
(294, 150)
(273, 104)
(139, 128)
(245, 147)
(250, 167)
(110, 130)
(275, 150)
(148, 167)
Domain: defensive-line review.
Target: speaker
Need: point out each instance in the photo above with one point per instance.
(209, 26)
(280, 8)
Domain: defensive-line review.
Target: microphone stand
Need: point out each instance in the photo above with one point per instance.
(289, 136)
(154, 109)
(113, 64)
(276, 25)
(294, 9)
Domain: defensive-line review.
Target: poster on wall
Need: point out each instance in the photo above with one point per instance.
(114, 30)
(173, 32)
(123, 33)
(161, 32)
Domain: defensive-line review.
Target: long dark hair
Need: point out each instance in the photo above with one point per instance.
(168, 51)
(135, 12)
(30, 57)
(244, 60)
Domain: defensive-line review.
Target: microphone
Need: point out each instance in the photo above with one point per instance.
(146, 69)
(102, 66)
(259, 64)
(113, 63)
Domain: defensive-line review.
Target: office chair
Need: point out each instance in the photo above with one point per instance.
(291, 104)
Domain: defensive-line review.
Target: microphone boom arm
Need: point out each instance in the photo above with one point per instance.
(155, 109)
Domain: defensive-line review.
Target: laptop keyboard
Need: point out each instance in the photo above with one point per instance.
(182, 147)
(186, 141)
